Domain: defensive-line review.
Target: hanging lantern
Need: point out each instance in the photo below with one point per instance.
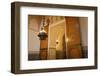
(42, 34)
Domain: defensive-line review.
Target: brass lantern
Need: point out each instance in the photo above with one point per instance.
(42, 34)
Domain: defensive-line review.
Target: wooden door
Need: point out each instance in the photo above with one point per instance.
(73, 37)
